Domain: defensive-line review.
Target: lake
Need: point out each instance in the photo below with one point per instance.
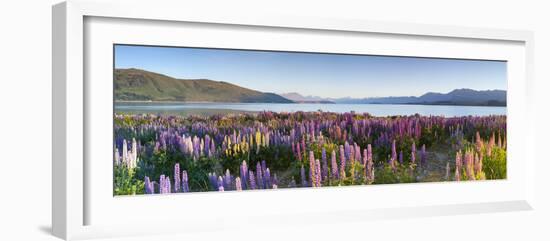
(373, 109)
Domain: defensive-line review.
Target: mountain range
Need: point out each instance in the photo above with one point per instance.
(141, 85)
(456, 97)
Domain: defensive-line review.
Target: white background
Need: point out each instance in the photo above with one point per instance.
(25, 155)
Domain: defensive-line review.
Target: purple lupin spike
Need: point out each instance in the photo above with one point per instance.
(177, 177)
(342, 173)
(220, 183)
(365, 160)
(357, 152)
(184, 181)
(347, 150)
(259, 176)
(212, 148)
(324, 164)
(334, 165)
(252, 180)
(207, 144)
(393, 151)
(298, 153)
(312, 168)
(149, 188)
(168, 185)
(227, 180)
(213, 180)
(162, 184)
(370, 165)
(317, 173)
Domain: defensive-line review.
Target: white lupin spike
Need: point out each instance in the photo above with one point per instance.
(117, 157)
(124, 152)
(134, 153)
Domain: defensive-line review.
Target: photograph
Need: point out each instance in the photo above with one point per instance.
(189, 120)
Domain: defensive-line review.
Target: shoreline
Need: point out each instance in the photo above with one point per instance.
(300, 103)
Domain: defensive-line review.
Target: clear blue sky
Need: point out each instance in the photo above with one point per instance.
(325, 75)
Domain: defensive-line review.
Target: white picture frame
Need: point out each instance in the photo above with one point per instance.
(83, 27)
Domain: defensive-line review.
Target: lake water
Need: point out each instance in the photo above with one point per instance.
(373, 109)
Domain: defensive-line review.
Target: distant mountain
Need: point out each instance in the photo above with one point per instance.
(298, 98)
(455, 97)
(141, 85)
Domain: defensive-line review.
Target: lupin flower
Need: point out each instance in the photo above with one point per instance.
(227, 180)
(117, 157)
(149, 187)
(357, 152)
(324, 164)
(479, 142)
(162, 184)
(312, 174)
(267, 178)
(469, 164)
(195, 138)
(347, 150)
(299, 153)
(317, 173)
(168, 186)
(213, 180)
(244, 174)
(458, 165)
(334, 165)
(478, 167)
(393, 151)
(264, 175)
(184, 182)
(238, 185)
(252, 180)
(177, 177)
(220, 183)
(259, 176)
(370, 165)
(342, 173)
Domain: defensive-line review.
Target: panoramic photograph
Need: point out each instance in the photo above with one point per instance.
(190, 120)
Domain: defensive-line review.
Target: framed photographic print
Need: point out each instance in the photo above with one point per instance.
(174, 112)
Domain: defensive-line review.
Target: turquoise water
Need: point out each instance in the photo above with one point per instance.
(373, 109)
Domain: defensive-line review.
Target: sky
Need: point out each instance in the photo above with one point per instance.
(316, 74)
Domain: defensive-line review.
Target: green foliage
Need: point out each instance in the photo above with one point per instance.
(495, 165)
(125, 183)
(401, 174)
